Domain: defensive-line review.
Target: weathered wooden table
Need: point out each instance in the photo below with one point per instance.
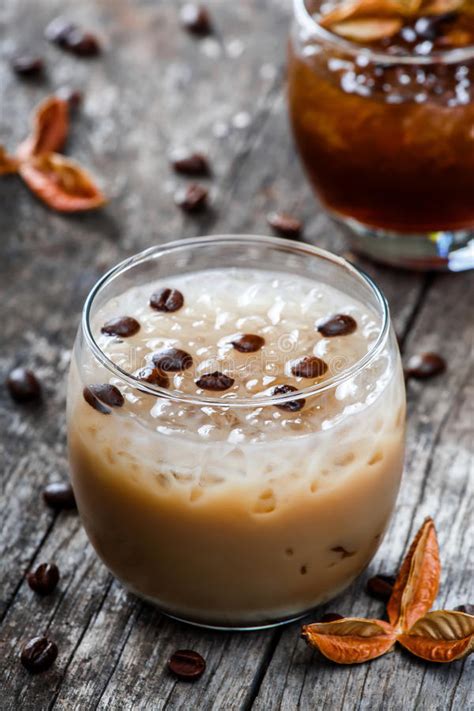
(155, 86)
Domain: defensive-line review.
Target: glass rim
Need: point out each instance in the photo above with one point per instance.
(307, 20)
(254, 401)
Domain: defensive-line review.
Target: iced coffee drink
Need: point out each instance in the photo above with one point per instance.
(236, 415)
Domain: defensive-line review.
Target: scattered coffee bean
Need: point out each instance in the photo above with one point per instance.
(172, 360)
(168, 300)
(23, 385)
(309, 367)
(72, 96)
(70, 36)
(380, 587)
(192, 198)
(27, 65)
(284, 224)
(58, 30)
(425, 365)
(215, 381)
(187, 664)
(331, 617)
(291, 405)
(248, 343)
(189, 163)
(468, 609)
(44, 579)
(82, 43)
(338, 325)
(94, 402)
(38, 654)
(59, 495)
(108, 394)
(123, 326)
(152, 375)
(195, 19)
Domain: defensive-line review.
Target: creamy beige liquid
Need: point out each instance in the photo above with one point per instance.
(239, 515)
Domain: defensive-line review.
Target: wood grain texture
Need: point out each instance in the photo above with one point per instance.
(156, 87)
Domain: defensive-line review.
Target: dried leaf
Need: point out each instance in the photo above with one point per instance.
(50, 129)
(350, 640)
(61, 183)
(441, 636)
(8, 164)
(439, 7)
(361, 8)
(368, 29)
(417, 582)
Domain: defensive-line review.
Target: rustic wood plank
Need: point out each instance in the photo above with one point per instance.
(156, 86)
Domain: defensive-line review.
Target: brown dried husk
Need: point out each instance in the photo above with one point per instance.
(61, 183)
(352, 640)
(372, 20)
(441, 636)
(50, 129)
(417, 583)
(8, 164)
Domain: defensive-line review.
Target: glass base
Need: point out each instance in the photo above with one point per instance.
(237, 628)
(231, 627)
(440, 251)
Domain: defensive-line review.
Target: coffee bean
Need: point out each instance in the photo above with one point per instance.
(168, 300)
(23, 385)
(309, 367)
(59, 495)
(426, 29)
(191, 199)
(331, 617)
(431, 27)
(380, 587)
(189, 163)
(195, 19)
(27, 65)
(338, 325)
(44, 579)
(284, 224)
(59, 30)
(468, 609)
(172, 360)
(248, 343)
(38, 654)
(215, 381)
(186, 664)
(82, 43)
(108, 394)
(425, 365)
(291, 405)
(123, 326)
(72, 96)
(94, 402)
(152, 375)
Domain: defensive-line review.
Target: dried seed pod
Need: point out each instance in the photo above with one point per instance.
(440, 636)
(417, 582)
(351, 640)
(50, 129)
(61, 183)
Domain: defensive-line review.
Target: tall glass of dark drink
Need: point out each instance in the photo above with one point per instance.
(385, 126)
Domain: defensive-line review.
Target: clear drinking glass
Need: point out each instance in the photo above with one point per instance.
(238, 512)
(387, 141)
